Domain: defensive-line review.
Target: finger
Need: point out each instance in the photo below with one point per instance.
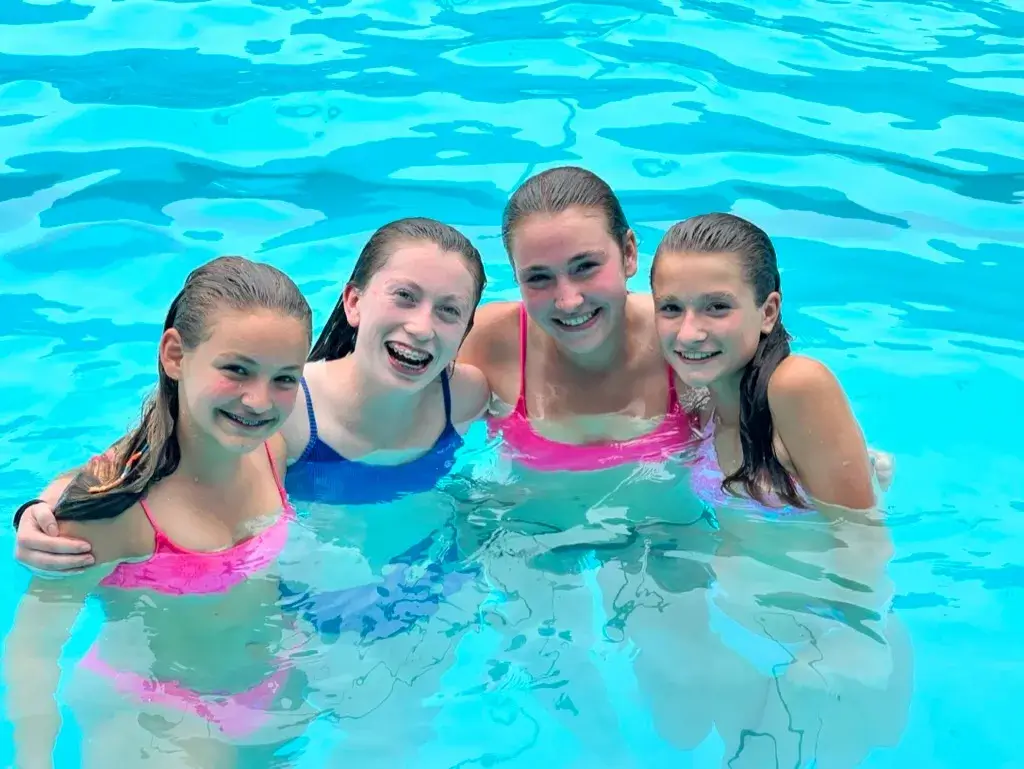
(44, 520)
(45, 544)
(53, 573)
(60, 565)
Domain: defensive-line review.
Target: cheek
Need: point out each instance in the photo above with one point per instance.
(450, 335)
(667, 331)
(217, 387)
(610, 280)
(537, 299)
(284, 400)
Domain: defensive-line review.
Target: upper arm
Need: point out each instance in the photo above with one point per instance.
(488, 339)
(113, 540)
(470, 395)
(816, 425)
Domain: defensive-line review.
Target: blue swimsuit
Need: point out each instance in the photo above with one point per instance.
(321, 474)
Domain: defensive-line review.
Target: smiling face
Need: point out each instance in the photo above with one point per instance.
(413, 314)
(573, 274)
(708, 319)
(239, 384)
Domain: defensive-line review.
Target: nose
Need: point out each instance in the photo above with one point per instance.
(257, 398)
(691, 330)
(568, 298)
(419, 324)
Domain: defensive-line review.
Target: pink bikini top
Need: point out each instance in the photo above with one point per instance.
(175, 570)
(525, 445)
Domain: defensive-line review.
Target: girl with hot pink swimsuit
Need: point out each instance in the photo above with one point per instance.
(573, 251)
(527, 446)
(230, 358)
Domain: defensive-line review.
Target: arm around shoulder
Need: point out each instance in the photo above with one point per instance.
(814, 421)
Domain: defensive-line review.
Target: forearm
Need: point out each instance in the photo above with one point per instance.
(32, 674)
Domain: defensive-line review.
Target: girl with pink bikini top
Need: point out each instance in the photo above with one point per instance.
(230, 358)
(676, 430)
(573, 251)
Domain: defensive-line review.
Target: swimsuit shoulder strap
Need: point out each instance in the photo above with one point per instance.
(160, 540)
(521, 403)
(447, 392)
(673, 396)
(312, 419)
(276, 474)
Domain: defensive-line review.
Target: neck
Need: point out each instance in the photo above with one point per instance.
(203, 460)
(370, 410)
(726, 399)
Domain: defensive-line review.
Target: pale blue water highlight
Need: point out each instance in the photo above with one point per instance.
(878, 142)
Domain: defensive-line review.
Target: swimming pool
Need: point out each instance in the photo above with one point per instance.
(877, 142)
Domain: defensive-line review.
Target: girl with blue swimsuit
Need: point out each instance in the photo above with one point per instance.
(385, 405)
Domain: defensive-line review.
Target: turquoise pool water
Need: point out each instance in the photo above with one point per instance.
(878, 142)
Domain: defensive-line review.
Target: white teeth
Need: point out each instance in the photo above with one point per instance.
(409, 355)
(578, 320)
(697, 355)
(246, 422)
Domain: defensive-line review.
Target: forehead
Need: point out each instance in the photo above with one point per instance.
(553, 239)
(432, 269)
(685, 273)
(267, 336)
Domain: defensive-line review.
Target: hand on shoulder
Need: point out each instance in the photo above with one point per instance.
(819, 431)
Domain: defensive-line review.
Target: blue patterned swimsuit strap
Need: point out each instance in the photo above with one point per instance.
(447, 401)
(312, 421)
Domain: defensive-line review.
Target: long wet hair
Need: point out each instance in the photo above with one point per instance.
(726, 233)
(338, 338)
(557, 190)
(113, 483)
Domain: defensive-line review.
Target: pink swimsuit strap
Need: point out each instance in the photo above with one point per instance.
(530, 448)
(176, 570)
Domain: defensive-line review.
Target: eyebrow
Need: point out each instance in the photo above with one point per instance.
(250, 361)
(595, 254)
(706, 297)
(394, 282)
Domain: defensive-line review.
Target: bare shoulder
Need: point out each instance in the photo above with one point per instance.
(495, 331)
(128, 535)
(798, 378)
(807, 400)
(470, 393)
(640, 315)
(641, 303)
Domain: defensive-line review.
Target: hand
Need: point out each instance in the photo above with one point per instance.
(40, 548)
(884, 465)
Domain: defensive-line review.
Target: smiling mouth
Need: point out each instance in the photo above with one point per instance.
(698, 357)
(408, 358)
(248, 423)
(576, 322)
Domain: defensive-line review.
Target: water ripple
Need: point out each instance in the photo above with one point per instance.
(878, 142)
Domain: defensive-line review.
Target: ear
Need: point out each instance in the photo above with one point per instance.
(630, 254)
(770, 311)
(171, 352)
(350, 300)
